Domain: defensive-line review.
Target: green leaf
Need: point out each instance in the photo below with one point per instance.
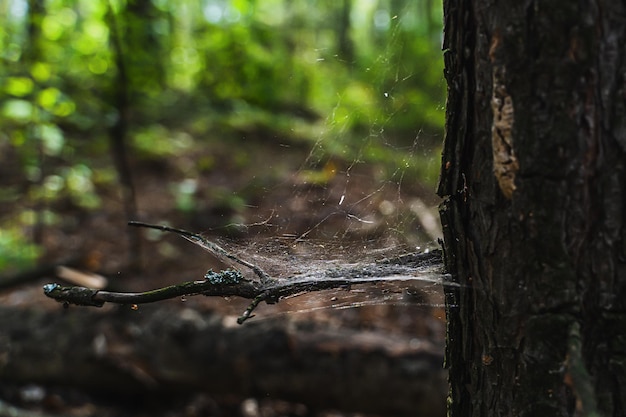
(19, 86)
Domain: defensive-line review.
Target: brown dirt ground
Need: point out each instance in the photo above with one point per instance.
(281, 204)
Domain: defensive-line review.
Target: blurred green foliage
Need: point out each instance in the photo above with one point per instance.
(15, 253)
(357, 79)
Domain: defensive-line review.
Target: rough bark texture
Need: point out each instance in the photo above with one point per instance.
(161, 351)
(534, 176)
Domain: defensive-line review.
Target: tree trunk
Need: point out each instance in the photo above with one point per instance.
(534, 180)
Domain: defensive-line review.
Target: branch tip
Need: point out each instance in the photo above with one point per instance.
(206, 244)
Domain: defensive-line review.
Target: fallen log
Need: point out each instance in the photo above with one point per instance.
(163, 349)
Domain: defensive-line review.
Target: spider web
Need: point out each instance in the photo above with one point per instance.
(351, 214)
(349, 198)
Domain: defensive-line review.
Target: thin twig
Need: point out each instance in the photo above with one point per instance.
(214, 284)
(255, 302)
(204, 243)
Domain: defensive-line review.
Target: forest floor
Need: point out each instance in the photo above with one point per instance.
(270, 207)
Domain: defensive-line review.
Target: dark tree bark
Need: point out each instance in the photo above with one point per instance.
(534, 176)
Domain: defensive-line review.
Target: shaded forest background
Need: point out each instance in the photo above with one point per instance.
(94, 90)
(306, 121)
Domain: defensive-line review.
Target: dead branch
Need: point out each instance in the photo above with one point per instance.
(232, 283)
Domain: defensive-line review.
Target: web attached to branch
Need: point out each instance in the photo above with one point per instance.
(345, 213)
(425, 268)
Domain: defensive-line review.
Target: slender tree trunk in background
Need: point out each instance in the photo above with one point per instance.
(143, 45)
(118, 137)
(36, 13)
(32, 55)
(534, 180)
(138, 55)
(346, 47)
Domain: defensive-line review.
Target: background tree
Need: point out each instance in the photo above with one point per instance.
(534, 176)
(310, 128)
(152, 82)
